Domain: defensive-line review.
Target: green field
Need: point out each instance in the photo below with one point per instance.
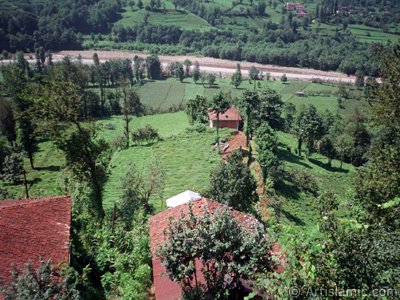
(183, 19)
(187, 157)
(166, 93)
(301, 208)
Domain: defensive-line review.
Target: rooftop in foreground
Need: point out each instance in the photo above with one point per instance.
(31, 230)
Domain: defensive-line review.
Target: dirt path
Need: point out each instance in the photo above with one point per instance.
(214, 65)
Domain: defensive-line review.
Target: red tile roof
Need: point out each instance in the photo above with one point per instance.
(33, 229)
(232, 114)
(165, 289)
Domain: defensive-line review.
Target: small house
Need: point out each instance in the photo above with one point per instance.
(229, 119)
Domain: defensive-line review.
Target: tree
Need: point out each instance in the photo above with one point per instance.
(153, 66)
(187, 63)
(232, 184)
(359, 79)
(270, 109)
(284, 78)
(267, 143)
(236, 78)
(140, 4)
(23, 95)
(141, 185)
(227, 251)
(178, 71)
(13, 170)
(253, 73)
(288, 115)
(131, 105)
(196, 72)
(309, 128)
(197, 109)
(46, 282)
(248, 105)
(138, 69)
(219, 104)
(86, 156)
(343, 145)
(326, 147)
(210, 79)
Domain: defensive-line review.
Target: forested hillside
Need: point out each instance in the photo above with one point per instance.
(326, 35)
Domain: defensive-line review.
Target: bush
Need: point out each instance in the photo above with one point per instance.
(109, 126)
(305, 181)
(118, 143)
(147, 134)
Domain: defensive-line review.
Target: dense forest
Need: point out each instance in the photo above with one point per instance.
(289, 42)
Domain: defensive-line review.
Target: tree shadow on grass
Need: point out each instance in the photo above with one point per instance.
(49, 168)
(292, 218)
(327, 167)
(292, 158)
(288, 189)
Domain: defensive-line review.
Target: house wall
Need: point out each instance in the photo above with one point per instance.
(225, 124)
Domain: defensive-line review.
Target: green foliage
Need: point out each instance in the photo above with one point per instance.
(153, 67)
(232, 184)
(309, 128)
(138, 186)
(124, 260)
(219, 104)
(147, 134)
(196, 72)
(197, 109)
(267, 143)
(46, 282)
(228, 252)
(13, 168)
(270, 109)
(236, 78)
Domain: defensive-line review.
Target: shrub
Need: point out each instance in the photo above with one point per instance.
(109, 126)
(146, 134)
(119, 142)
(305, 181)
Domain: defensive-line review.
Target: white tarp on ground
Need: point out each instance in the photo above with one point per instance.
(183, 198)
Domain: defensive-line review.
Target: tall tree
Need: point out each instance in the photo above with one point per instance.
(187, 63)
(218, 105)
(267, 143)
(197, 109)
(153, 66)
(248, 105)
(196, 72)
(227, 251)
(270, 109)
(233, 184)
(236, 78)
(309, 128)
(23, 93)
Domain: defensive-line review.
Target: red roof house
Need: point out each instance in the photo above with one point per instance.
(230, 119)
(32, 230)
(165, 289)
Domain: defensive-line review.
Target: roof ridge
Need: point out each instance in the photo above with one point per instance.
(32, 201)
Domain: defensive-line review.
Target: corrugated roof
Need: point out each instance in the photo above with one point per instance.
(33, 229)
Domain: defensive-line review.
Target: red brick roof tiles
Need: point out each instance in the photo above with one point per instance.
(33, 229)
(232, 114)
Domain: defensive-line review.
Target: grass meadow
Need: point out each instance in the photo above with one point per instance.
(187, 157)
